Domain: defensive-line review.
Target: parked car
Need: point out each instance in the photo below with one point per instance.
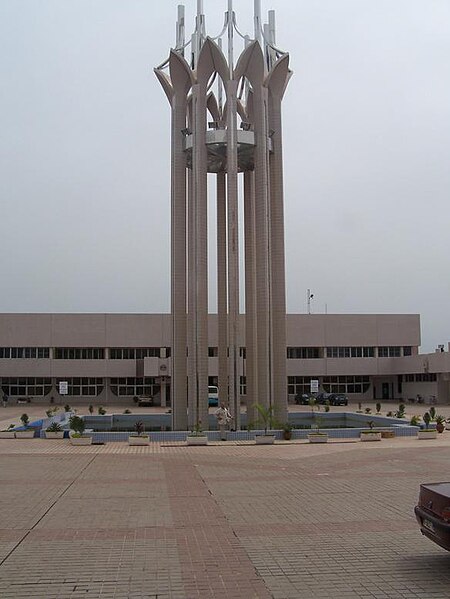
(433, 512)
(213, 396)
(303, 400)
(145, 401)
(338, 399)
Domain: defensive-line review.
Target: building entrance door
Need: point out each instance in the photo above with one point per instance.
(385, 391)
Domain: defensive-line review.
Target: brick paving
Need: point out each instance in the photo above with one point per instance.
(225, 521)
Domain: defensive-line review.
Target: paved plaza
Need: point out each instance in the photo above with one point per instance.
(229, 520)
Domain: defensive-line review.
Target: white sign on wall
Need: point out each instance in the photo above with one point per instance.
(63, 387)
(314, 386)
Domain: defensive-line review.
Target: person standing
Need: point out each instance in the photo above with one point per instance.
(223, 419)
(5, 400)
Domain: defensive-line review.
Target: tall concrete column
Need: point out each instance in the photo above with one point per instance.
(191, 318)
(250, 288)
(233, 253)
(276, 86)
(199, 167)
(178, 243)
(222, 324)
(262, 249)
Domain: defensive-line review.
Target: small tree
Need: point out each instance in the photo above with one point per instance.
(91, 409)
(432, 412)
(378, 407)
(266, 415)
(139, 427)
(77, 424)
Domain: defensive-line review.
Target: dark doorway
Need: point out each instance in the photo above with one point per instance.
(385, 391)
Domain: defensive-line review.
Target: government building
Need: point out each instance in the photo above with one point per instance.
(114, 357)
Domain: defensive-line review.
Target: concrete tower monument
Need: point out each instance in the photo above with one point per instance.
(226, 120)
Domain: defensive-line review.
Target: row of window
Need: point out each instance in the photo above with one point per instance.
(331, 384)
(83, 353)
(24, 352)
(305, 353)
(139, 353)
(131, 386)
(425, 377)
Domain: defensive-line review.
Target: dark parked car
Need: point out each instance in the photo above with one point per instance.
(337, 399)
(433, 512)
(303, 400)
(145, 401)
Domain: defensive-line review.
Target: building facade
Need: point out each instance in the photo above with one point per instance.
(110, 358)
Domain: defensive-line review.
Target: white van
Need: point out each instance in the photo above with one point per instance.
(213, 396)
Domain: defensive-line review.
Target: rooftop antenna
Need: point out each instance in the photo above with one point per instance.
(309, 297)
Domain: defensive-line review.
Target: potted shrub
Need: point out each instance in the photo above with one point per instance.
(440, 423)
(8, 433)
(266, 418)
(317, 436)
(28, 433)
(415, 421)
(400, 413)
(77, 436)
(54, 431)
(91, 409)
(287, 431)
(197, 436)
(67, 408)
(371, 434)
(427, 433)
(101, 411)
(139, 437)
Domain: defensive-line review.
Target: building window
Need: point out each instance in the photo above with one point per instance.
(135, 353)
(243, 385)
(24, 352)
(389, 351)
(29, 387)
(407, 350)
(131, 386)
(346, 384)
(213, 352)
(303, 353)
(243, 352)
(81, 386)
(79, 353)
(350, 352)
(299, 385)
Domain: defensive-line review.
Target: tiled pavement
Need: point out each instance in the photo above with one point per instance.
(220, 522)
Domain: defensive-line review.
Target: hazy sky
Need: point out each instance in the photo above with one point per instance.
(84, 155)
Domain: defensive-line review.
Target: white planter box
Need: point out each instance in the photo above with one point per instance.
(24, 434)
(265, 439)
(80, 440)
(197, 440)
(427, 434)
(135, 440)
(7, 435)
(372, 436)
(316, 438)
(54, 435)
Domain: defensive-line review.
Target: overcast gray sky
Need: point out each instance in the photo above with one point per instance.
(84, 155)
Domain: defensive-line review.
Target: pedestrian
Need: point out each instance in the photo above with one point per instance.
(223, 419)
(5, 400)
